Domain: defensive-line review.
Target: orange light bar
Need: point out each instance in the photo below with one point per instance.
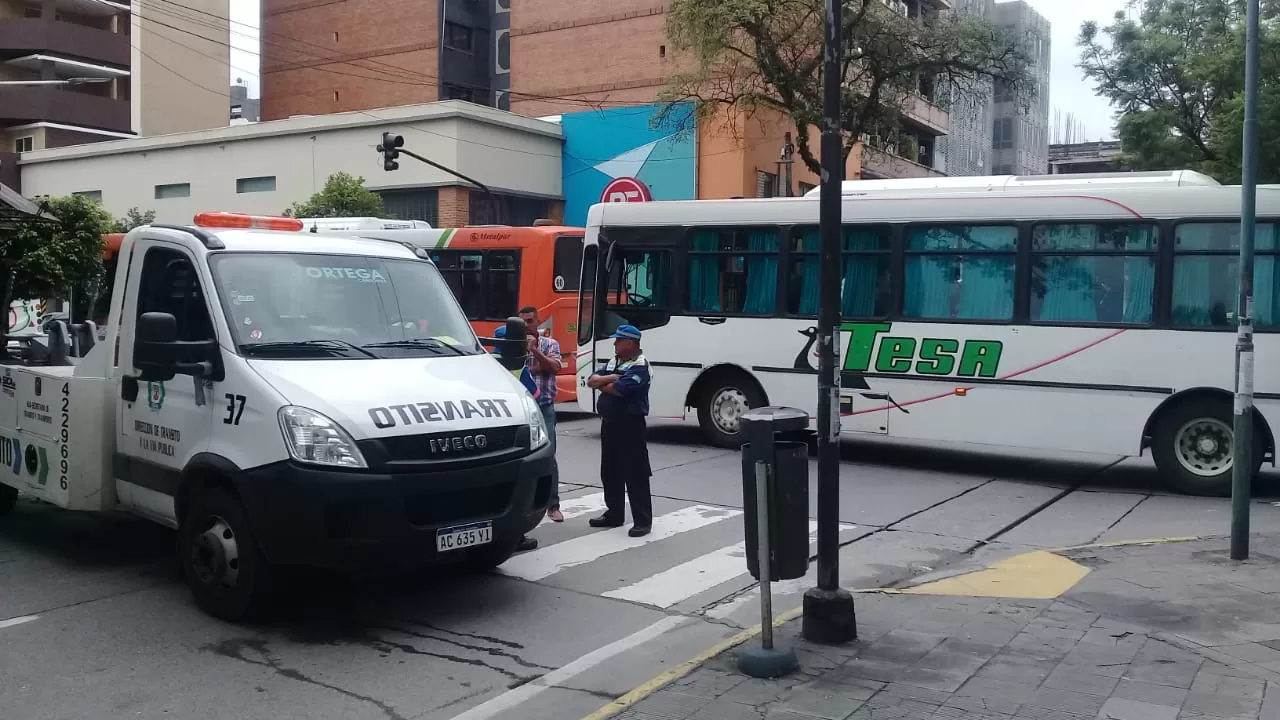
(247, 222)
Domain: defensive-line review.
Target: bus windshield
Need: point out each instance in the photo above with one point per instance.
(296, 305)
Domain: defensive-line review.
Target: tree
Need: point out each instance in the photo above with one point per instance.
(48, 259)
(1175, 74)
(753, 54)
(132, 219)
(343, 195)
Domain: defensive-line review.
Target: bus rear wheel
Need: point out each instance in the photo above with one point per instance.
(1192, 447)
(725, 398)
(8, 499)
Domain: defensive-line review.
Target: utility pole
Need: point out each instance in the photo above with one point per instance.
(1242, 451)
(828, 610)
(785, 161)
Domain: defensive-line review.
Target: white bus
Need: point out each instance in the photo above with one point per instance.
(1076, 317)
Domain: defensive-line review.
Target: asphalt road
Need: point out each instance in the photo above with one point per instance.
(94, 623)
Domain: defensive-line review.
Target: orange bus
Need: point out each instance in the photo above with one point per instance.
(495, 270)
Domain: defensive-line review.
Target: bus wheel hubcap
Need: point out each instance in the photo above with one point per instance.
(215, 555)
(726, 409)
(1204, 447)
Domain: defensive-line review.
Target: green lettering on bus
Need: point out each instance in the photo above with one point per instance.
(869, 344)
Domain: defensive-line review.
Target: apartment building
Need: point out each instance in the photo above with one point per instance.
(79, 71)
(1020, 134)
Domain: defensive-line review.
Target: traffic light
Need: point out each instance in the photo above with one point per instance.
(390, 150)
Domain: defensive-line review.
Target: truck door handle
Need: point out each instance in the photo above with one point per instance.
(129, 388)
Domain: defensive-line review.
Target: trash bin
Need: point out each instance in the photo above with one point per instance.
(787, 494)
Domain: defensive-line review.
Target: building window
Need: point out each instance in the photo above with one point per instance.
(734, 271)
(174, 190)
(419, 204)
(265, 183)
(1206, 268)
(766, 184)
(510, 210)
(95, 195)
(457, 37)
(457, 92)
(958, 272)
(1093, 272)
(1002, 134)
(24, 144)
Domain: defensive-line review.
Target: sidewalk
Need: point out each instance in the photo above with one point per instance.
(1151, 632)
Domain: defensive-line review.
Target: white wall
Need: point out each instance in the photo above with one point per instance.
(506, 152)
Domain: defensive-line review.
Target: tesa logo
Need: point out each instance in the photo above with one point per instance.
(625, 189)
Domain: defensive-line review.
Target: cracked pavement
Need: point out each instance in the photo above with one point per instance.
(115, 633)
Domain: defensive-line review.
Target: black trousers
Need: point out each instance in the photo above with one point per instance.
(624, 468)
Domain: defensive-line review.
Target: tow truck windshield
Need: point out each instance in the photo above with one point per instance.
(307, 305)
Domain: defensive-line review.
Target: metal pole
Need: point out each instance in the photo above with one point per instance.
(766, 567)
(828, 610)
(1242, 452)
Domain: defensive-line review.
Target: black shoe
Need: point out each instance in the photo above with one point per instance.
(639, 530)
(604, 521)
(526, 544)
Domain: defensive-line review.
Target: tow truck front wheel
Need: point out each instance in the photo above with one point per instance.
(228, 575)
(8, 499)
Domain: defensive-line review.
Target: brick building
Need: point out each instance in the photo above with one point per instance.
(541, 59)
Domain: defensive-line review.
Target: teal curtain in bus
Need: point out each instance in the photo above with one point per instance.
(1139, 289)
(987, 282)
(1192, 275)
(810, 270)
(929, 283)
(861, 274)
(1068, 281)
(704, 276)
(762, 273)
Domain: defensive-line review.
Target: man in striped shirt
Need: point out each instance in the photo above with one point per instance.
(544, 364)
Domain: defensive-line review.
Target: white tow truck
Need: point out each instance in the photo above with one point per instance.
(283, 398)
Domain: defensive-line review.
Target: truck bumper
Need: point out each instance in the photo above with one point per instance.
(346, 520)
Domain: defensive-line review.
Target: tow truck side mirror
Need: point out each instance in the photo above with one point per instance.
(514, 345)
(155, 339)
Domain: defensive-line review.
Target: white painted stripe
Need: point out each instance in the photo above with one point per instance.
(698, 575)
(578, 506)
(688, 579)
(752, 597)
(521, 695)
(581, 550)
(17, 621)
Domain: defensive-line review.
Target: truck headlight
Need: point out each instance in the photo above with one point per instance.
(537, 426)
(314, 438)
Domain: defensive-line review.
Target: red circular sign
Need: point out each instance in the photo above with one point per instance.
(625, 189)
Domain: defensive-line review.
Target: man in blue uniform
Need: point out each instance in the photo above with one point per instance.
(624, 453)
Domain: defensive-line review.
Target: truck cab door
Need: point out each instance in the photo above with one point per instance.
(162, 424)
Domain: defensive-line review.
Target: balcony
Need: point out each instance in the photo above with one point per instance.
(24, 36)
(931, 118)
(880, 164)
(53, 104)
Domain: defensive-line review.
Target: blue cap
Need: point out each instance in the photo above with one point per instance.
(501, 332)
(626, 332)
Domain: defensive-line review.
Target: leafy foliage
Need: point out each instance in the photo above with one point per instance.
(44, 260)
(1175, 74)
(132, 219)
(752, 54)
(343, 195)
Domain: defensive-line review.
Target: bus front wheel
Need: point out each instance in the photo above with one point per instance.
(725, 398)
(1192, 447)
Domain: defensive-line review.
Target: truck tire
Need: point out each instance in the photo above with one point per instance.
(725, 397)
(227, 572)
(487, 557)
(1191, 446)
(8, 499)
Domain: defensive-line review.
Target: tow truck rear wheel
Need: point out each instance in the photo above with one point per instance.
(227, 573)
(8, 498)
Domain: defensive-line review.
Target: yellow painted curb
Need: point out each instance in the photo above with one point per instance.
(649, 687)
(1038, 575)
(1129, 543)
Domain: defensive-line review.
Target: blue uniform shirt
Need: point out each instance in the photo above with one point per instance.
(633, 388)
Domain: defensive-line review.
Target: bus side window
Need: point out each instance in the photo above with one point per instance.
(566, 263)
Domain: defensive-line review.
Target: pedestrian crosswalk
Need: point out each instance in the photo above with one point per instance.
(694, 557)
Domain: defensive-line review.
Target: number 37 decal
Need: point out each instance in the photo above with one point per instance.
(235, 408)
